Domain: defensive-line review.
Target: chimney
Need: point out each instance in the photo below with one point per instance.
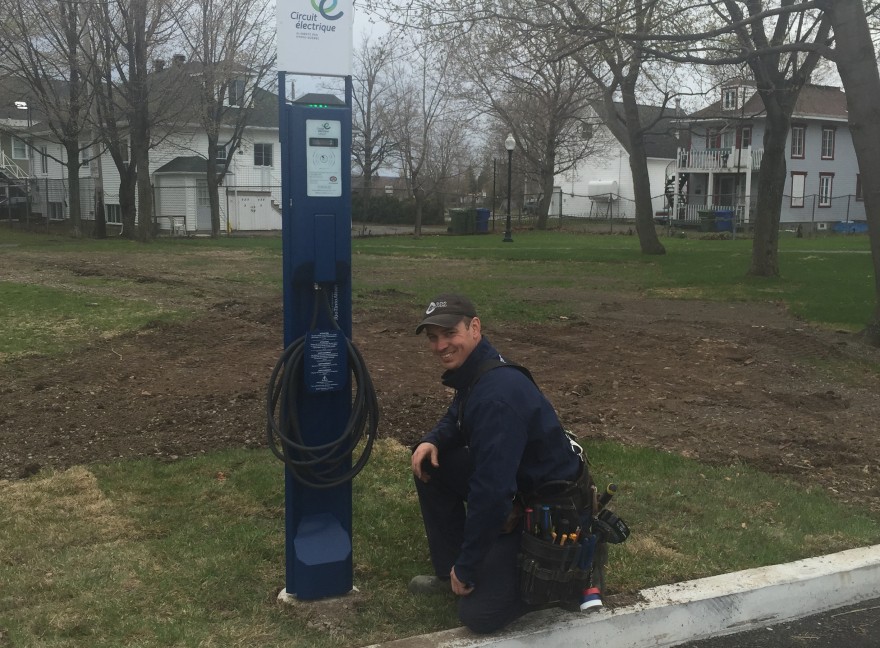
(178, 59)
(158, 65)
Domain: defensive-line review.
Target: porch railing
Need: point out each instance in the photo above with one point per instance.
(720, 159)
(691, 212)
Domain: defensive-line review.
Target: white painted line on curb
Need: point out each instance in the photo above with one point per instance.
(674, 614)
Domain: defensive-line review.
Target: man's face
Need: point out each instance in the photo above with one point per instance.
(452, 346)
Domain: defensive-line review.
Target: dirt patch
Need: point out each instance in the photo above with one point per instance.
(717, 382)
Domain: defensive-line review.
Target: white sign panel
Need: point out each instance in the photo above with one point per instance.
(315, 36)
(323, 158)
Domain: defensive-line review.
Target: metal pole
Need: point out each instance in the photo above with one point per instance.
(507, 237)
(493, 193)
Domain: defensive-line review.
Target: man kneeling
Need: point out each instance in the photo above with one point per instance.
(500, 438)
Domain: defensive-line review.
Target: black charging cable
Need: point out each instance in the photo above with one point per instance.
(329, 464)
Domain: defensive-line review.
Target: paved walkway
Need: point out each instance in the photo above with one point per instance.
(853, 626)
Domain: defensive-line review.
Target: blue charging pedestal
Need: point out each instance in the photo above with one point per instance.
(315, 134)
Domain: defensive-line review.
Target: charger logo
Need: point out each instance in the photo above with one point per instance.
(324, 7)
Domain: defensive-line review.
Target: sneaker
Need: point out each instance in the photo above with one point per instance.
(428, 585)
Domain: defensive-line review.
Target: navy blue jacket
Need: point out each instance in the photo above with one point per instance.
(516, 443)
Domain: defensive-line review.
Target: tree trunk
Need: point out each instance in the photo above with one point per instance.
(214, 202)
(771, 184)
(861, 80)
(419, 195)
(213, 181)
(73, 189)
(145, 196)
(127, 204)
(100, 217)
(638, 166)
(546, 197)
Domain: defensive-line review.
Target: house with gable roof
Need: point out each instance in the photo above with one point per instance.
(717, 172)
(250, 197)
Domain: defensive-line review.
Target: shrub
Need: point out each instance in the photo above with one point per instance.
(388, 210)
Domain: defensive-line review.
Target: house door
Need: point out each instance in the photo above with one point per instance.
(725, 189)
(203, 207)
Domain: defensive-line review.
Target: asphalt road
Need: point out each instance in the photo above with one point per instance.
(855, 626)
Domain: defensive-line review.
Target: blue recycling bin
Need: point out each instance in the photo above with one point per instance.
(724, 220)
(483, 220)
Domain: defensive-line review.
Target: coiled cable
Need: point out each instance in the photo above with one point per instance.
(324, 465)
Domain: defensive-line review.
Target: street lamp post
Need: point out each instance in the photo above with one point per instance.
(509, 143)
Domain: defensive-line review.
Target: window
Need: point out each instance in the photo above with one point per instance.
(826, 184)
(221, 153)
(827, 142)
(728, 98)
(56, 211)
(798, 183)
(113, 213)
(798, 141)
(19, 149)
(44, 159)
(235, 92)
(263, 155)
(728, 139)
(859, 196)
(746, 137)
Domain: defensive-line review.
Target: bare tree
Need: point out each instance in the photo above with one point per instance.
(628, 75)
(422, 92)
(230, 45)
(44, 50)
(131, 102)
(449, 159)
(544, 102)
(779, 75)
(580, 26)
(373, 145)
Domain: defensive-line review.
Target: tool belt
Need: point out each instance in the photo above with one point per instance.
(563, 549)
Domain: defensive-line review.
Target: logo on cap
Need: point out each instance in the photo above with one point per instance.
(434, 306)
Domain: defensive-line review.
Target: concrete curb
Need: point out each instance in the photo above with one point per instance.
(671, 615)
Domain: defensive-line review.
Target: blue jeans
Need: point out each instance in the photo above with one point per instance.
(495, 601)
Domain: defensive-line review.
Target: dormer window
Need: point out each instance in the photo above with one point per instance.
(235, 92)
(728, 98)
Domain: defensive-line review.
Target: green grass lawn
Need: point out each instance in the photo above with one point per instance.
(824, 280)
(191, 553)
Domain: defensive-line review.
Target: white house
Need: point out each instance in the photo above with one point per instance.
(601, 186)
(249, 199)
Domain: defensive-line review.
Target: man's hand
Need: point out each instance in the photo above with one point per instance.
(424, 452)
(459, 588)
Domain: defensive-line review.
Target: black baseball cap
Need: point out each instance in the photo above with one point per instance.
(447, 310)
